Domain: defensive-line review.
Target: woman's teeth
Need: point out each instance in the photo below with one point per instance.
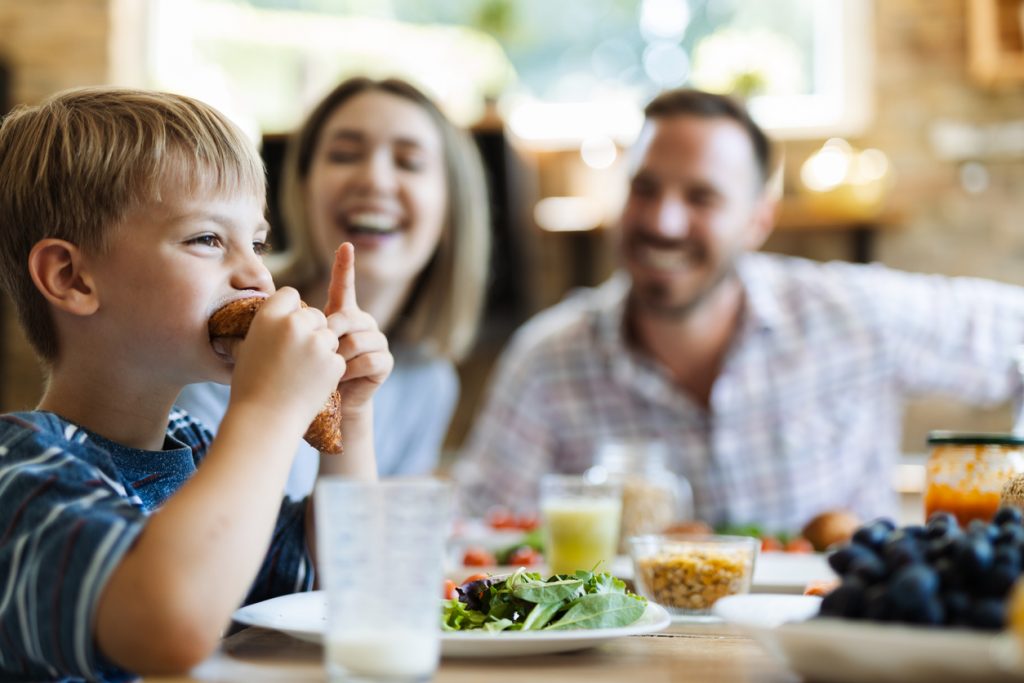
(377, 223)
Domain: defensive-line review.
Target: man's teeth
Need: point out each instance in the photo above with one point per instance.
(665, 259)
(373, 222)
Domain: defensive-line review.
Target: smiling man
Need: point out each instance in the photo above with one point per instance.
(777, 383)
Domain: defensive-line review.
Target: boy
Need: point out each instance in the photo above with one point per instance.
(126, 219)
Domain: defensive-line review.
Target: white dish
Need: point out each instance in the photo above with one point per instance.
(304, 616)
(840, 651)
(789, 572)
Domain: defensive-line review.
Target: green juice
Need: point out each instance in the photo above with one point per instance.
(581, 533)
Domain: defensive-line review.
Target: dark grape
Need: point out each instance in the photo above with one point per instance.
(867, 568)
(1011, 535)
(1009, 515)
(938, 548)
(999, 581)
(845, 601)
(932, 613)
(958, 605)
(973, 555)
(873, 535)
(946, 520)
(1008, 556)
(981, 529)
(932, 575)
(841, 559)
(876, 604)
(901, 552)
(909, 591)
(950, 577)
(987, 613)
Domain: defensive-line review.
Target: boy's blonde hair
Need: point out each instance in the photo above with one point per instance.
(444, 308)
(74, 165)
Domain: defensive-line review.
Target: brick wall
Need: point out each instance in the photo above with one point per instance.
(921, 76)
(47, 45)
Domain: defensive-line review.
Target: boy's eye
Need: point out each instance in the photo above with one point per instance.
(206, 240)
(261, 248)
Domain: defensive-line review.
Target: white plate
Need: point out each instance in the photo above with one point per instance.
(840, 651)
(304, 616)
(789, 572)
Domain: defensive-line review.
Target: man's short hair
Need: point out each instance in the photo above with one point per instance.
(73, 166)
(690, 102)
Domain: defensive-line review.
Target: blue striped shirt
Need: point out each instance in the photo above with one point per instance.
(72, 503)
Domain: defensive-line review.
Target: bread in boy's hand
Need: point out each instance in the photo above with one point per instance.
(232, 321)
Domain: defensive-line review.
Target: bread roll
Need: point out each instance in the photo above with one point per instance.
(232, 321)
(830, 528)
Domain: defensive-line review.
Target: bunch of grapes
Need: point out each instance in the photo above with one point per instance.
(936, 575)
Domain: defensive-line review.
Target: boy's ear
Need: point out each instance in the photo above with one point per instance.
(56, 267)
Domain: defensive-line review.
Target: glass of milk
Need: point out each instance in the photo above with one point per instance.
(380, 547)
(581, 522)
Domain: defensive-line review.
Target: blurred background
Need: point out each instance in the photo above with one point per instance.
(901, 123)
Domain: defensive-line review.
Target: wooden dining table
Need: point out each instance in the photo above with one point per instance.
(705, 652)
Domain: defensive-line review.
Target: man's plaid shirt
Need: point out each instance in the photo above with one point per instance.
(804, 417)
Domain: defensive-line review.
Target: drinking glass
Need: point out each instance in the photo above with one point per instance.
(581, 522)
(381, 551)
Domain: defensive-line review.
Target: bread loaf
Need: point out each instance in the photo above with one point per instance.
(232, 321)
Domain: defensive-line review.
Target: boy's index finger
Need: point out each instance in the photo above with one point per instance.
(341, 293)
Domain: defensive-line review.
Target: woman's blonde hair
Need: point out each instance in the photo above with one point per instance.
(444, 308)
(74, 165)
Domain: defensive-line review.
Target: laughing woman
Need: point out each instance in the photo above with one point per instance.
(377, 164)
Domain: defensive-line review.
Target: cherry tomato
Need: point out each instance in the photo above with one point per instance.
(478, 557)
(770, 543)
(524, 556)
(799, 544)
(820, 588)
(500, 518)
(527, 522)
(449, 589)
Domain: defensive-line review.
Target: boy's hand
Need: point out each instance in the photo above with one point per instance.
(363, 346)
(289, 361)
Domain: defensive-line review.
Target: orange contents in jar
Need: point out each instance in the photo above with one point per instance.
(965, 473)
(964, 504)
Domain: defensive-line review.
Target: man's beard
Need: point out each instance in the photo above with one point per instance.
(656, 299)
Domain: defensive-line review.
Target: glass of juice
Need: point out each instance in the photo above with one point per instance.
(380, 547)
(581, 522)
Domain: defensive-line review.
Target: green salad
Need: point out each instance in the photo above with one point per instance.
(525, 601)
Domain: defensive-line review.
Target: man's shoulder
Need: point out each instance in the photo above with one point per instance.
(794, 284)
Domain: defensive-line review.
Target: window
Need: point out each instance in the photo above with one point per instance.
(564, 71)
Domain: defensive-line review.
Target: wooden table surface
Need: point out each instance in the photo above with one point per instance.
(709, 653)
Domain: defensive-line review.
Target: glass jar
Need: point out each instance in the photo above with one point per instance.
(966, 472)
(653, 496)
